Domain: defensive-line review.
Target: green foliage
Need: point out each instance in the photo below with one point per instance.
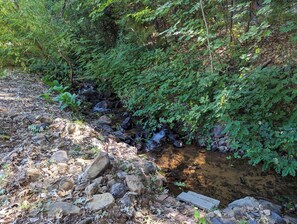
(4, 73)
(198, 218)
(68, 100)
(179, 184)
(260, 115)
(33, 128)
(155, 57)
(47, 97)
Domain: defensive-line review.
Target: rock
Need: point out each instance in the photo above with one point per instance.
(64, 208)
(104, 120)
(199, 200)
(223, 149)
(71, 128)
(218, 131)
(63, 168)
(81, 186)
(134, 183)
(149, 168)
(162, 197)
(290, 220)
(216, 221)
(66, 184)
(101, 107)
(275, 218)
(271, 206)
(98, 180)
(175, 141)
(60, 156)
(201, 142)
(87, 221)
(121, 175)
(38, 139)
(98, 166)
(88, 93)
(222, 142)
(104, 128)
(125, 201)
(238, 212)
(111, 182)
(127, 123)
(244, 202)
(266, 212)
(32, 174)
(92, 189)
(160, 180)
(217, 213)
(156, 141)
(100, 201)
(214, 145)
(127, 204)
(252, 221)
(118, 190)
(104, 189)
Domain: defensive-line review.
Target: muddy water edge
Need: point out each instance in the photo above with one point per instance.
(216, 175)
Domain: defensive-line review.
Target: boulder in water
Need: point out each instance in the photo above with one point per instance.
(175, 140)
(156, 141)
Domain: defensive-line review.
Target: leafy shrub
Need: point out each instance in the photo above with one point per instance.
(68, 100)
(260, 111)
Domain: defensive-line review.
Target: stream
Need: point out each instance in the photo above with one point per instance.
(211, 173)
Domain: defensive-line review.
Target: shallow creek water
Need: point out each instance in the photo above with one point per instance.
(212, 174)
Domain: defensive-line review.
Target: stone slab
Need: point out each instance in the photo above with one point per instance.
(199, 200)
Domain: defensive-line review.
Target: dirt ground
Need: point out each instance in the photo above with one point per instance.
(34, 176)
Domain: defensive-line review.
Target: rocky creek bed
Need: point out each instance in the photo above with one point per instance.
(56, 168)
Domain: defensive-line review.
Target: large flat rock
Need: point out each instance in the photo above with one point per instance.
(100, 201)
(199, 200)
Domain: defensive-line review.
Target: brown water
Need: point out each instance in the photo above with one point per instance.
(211, 174)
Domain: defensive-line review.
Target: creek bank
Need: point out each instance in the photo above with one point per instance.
(165, 140)
(115, 120)
(70, 173)
(49, 174)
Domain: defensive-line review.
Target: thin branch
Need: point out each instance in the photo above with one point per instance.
(207, 37)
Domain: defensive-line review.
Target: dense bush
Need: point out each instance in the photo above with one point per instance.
(186, 64)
